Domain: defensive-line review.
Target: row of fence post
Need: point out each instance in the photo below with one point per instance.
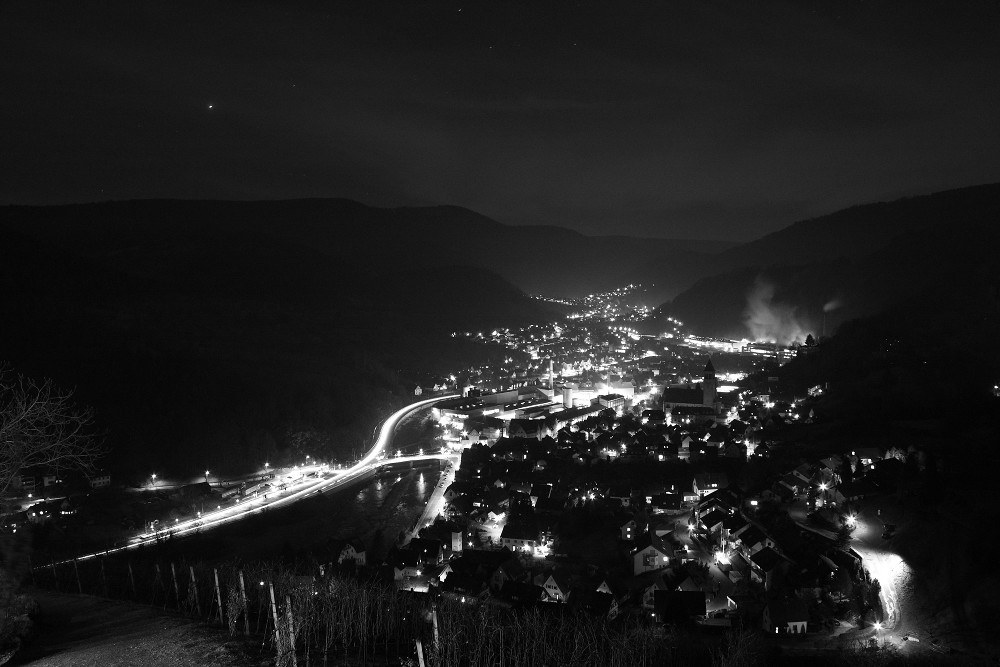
(216, 611)
(286, 626)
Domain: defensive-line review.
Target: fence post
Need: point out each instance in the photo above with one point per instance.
(193, 588)
(291, 629)
(55, 577)
(218, 595)
(131, 579)
(246, 607)
(177, 592)
(159, 584)
(420, 653)
(32, 570)
(104, 581)
(79, 586)
(277, 627)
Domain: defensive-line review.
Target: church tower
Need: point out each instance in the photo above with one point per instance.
(709, 384)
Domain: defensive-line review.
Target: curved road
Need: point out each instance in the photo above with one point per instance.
(892, 572)
(375, 458)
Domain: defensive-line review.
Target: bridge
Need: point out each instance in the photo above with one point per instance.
(330, 480)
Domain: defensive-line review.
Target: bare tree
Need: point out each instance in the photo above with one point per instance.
(40, 425)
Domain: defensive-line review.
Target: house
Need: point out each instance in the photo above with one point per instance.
(653, 416)
(648, 593)
(854, 490)
(627, 528)
(752, 540)
(733, 526)
(498, 499)
(647, 556)
(519, 535)
(765, 564)
(620, 494)
(868, 456)
(489, 566)
(723, 499)
(614, 401)
(464, 587)
(535, 429)
(430, 551)
(405, 563)
(99, 480)
(687, 585)
(832, 463)
(733, 449)
(508, 571)
(787, 616)
(667, 503)
(539, 492)
(456, 489)
(557, 585)
(662, 527)
(707, 482)
(712, 521)
(794, 483)
(805, 473)
(342, 551)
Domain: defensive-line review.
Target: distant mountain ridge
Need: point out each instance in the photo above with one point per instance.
(853, 263)
(538, 259)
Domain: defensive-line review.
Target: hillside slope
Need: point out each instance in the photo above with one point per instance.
(223, 344)
(931, 252)
(538, 259)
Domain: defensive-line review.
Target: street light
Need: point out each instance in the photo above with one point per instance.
(206, 476)
(154, 479)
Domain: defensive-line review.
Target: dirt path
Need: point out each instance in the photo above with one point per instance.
(83, 631)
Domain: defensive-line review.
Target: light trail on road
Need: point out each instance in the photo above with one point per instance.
(374, 459)
(887, 567)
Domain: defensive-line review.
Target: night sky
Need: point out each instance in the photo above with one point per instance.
(690, 120)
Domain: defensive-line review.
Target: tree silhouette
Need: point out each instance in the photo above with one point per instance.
(41, 426)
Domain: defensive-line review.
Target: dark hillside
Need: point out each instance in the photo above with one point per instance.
(859, 230)
(226, 345)
(842, 243)
(929, 267)
(538, 259)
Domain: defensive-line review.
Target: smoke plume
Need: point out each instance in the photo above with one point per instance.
(832, 304)
(769, 320)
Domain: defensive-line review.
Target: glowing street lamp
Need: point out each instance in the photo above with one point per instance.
(877, 626)
(206, 476)
(154, 479)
